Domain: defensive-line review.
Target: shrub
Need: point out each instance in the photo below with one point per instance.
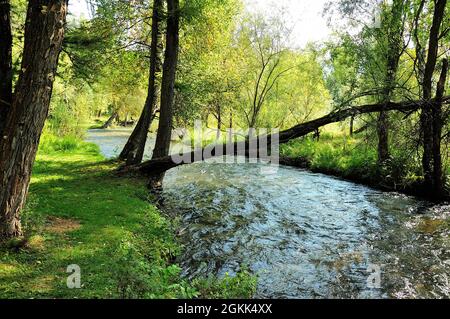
(241, 286)
(51, 143)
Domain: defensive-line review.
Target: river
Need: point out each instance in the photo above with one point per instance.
(305, 235)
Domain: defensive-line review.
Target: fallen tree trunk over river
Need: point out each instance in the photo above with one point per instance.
(163, 164)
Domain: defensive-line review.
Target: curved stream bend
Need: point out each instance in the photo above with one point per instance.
(305, 235)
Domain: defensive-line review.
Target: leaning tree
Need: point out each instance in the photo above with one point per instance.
(133, 151)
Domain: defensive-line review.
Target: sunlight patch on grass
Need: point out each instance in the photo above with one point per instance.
(8, 269)
(35, 242)
(60, 225)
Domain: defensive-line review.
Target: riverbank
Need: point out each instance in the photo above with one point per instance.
(351, 160)
(80, 213)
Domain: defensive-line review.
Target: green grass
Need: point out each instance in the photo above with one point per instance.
(79, 212)
(355, 159)
(334, 154)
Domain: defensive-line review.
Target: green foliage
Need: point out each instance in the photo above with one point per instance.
(18, 15)
(343, 156)
(209, 68)
(356, 159)
(52, 144)
(137, 276)
(221, 63)
(241, 286)
(141, 262)
(70, 108)
(301, 94)
(103, 68)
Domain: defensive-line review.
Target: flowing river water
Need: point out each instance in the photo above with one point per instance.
(305, 235)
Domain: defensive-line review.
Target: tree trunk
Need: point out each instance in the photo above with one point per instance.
(383, 137)
(352, 122)
(160, 165)
(361, 129)
(426, 117)
(219, 117)
(111, 119)
(163, 137)
(438, 176)
(231, 118)
(133, 152)
(252, 123)
(5, 62)
(44, 32)
(219, 120)
(394, 34)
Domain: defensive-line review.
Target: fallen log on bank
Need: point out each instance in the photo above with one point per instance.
(163, 164)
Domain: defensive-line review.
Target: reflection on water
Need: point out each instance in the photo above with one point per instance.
(305, 235)
(112, 141)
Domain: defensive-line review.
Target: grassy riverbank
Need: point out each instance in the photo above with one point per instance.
(356, 160)
(80, 213)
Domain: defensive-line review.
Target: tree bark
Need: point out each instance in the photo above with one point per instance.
(394, 34)
(426, 117)
(231, 118)
(383, 137)
(44, 32)
(133, 152)
(352, 122)
(163, 137)
(219, 116)
(438, 176)
(361, 129)
(160, 165)
(5, 62)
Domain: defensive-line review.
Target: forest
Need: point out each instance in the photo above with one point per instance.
(135, 139)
